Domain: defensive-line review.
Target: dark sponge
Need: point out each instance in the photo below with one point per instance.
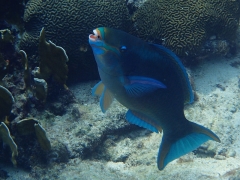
(68, 24)
(184, 25)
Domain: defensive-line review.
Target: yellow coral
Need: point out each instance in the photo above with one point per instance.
(25, 126)
(6, 137)
(31, 125)
(42, 137)
(6, 102)
(53, 61)
(27, 74)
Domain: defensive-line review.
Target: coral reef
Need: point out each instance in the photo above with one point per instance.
(53, 61)
(184, 26)
(40, 89)
(31, 125)
(87, 143)
(3, 67)
(27, 75)
(6, 102)
(6, 35)
(42, 137)
(24, 128)
(6, 40)
(21, 128)
(84, 142)
(6, 137)
(68, 24)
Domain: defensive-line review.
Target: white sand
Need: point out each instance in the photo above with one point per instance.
(217, 109)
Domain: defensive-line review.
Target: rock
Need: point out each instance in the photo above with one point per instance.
(231, 153)
(219, 157)
(59, 153)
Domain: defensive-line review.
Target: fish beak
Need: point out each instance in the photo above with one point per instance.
(95, 36)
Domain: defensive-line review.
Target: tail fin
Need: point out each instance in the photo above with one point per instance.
(169, 151)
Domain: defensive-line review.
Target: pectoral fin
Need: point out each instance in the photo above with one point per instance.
(106, 99)
(97, 90)
(137, 85)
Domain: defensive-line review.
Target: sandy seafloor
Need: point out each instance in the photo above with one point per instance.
(132, 155)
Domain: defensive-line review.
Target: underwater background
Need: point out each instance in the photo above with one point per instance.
(53, 128)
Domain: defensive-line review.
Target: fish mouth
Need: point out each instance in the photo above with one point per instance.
(95, 36)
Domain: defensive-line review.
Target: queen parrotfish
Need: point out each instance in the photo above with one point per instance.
(152, 83)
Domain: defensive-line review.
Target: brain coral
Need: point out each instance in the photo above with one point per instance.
(68, 24)
(184, 25)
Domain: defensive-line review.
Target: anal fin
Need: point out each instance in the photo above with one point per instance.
(142, 121)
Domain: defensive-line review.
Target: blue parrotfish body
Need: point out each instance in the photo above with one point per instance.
(152, 83)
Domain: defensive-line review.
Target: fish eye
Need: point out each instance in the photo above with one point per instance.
(123, 48)
(99, 37)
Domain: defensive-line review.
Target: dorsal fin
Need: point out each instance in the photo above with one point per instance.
(139, 85)
(178, 66)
